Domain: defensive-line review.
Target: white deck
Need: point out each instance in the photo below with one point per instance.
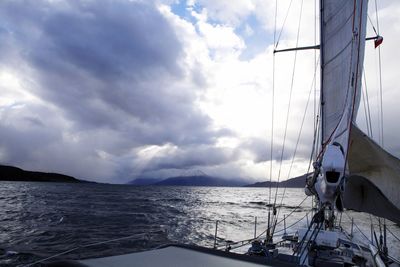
(169, 257)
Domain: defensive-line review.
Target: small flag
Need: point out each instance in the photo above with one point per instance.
(378, 41)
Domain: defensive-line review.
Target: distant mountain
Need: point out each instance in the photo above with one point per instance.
(297, 182)
(145, 181)
(189, 178)
(10, 173)
(200, 180)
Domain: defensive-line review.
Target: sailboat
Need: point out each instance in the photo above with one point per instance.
(351, 171)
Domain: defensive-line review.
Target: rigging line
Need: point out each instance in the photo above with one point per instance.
(299, 135)
(315, 142)
(302, 121)
(365, 110)
(293, 224)
(371, 223)
(378, 118)
(376, 16)
(356, 79)
(279, 222)
(84, 246)
(398, 239)
(290, 100)
(380, 94)
(283, 25)
(252, 239)
(380, 226)
(314, 238)
(276, 15)
(315, 64)
(345, 212)
(371, 241)
(372, 25)
(368, 106)
(318, 134)
(272, 112)
(380, 76)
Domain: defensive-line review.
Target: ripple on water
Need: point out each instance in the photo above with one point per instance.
(41, 219)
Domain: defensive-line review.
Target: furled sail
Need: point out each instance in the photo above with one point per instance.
(373, 175)
(374, 181)
(343, 30)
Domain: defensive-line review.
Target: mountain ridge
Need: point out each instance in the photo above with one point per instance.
(11, 173)
(296, 182)
(201, 179)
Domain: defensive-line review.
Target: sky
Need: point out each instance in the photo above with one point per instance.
(114, 90)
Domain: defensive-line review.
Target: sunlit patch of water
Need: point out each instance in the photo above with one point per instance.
(38, 220)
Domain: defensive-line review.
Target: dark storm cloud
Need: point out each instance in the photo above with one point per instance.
(113, 73)
(193, 157)
(260, 148)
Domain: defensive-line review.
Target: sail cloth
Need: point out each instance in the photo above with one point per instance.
(374, 182)
(343, 30)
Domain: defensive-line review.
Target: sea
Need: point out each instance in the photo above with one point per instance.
(77, 221)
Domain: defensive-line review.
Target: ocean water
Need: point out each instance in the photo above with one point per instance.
(39, 220)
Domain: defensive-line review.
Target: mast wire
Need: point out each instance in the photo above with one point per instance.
(248, 241)
(299, 135)
(365, 111)
(315, 66)
(283, 25)
(373, 27)
(290, 100)
(396, 237)
(85, 246)
(279, 222)
(368, 106)
(272, 112)
(380, 77)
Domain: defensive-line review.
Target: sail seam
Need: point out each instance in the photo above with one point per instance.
(339, 53)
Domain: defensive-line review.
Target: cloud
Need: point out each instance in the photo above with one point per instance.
(122, 89)
(226, 11)
(102, 80)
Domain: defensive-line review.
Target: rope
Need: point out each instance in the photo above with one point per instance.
(299, 135)
(397, 238)
(280, 230)
(290, 101)
(373, 27)
(380, 77)
(293, 224)
(283, 25)
(84, 246)
(365, 111)
(370, 241)
(315, 67)
(315, 237)
(286, 217)
(368, 106)
(272, 112)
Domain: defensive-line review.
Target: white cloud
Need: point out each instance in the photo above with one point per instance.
(226, 11)
(192, 102)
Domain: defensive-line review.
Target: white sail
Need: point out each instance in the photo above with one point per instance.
(343, 30)
(374, 181)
